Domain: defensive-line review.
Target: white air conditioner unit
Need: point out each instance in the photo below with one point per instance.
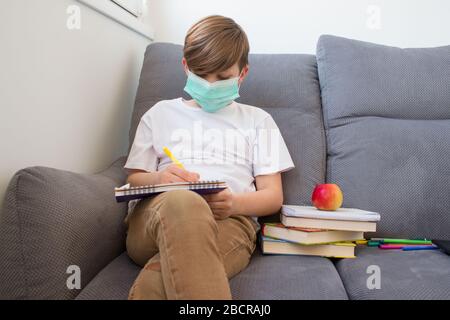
(135, 7)
(130, 13)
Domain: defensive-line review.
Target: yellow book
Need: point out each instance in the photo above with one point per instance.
(331, 250)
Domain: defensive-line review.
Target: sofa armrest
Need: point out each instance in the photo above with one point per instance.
(52, 219)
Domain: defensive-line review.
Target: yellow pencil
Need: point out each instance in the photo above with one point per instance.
(171, 157)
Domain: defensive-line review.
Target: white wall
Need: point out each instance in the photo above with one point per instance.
(65, 96)
(293, 26)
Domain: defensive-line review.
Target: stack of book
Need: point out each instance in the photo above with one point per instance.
(305, 230)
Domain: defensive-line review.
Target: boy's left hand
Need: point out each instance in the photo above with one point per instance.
(221, 203)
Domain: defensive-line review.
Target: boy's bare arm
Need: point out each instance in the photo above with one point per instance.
(265, 201)
(141, 178)
(268, 198)
(170, 174)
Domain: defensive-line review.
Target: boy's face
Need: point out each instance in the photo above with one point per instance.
(231, 72)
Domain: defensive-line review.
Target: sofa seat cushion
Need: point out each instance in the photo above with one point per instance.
(113, 282)
(285, 277)
(423, 274)
(266, 277)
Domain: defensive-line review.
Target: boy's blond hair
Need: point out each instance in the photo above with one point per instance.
(214, 44)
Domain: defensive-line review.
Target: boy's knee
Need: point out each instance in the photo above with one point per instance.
(181, 204)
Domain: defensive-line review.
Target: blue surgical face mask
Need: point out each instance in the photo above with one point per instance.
(212, 96)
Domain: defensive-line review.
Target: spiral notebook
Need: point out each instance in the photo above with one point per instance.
(127, 193)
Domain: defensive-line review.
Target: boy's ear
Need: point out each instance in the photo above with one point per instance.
(185, 66)
(243, 74)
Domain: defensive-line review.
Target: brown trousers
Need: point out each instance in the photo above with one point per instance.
(185, 253)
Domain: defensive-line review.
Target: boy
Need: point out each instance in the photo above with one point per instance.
(190, 245)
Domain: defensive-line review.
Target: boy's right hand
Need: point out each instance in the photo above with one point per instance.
(173, 173)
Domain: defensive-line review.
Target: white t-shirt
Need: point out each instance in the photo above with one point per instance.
(235, 144)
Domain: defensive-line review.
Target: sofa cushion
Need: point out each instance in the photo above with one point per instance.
(285, 277)
(113, 282)
(422, 274)
(285, 85)
(53, 219)
(387, 119)
(266, 278)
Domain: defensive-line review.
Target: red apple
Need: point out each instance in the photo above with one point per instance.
(327, 196)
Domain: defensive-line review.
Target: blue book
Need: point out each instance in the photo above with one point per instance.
(127, 193)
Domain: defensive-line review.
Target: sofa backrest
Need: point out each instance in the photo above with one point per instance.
(285, 85)
(387, 120)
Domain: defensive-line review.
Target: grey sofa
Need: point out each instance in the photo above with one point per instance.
(371, 118)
